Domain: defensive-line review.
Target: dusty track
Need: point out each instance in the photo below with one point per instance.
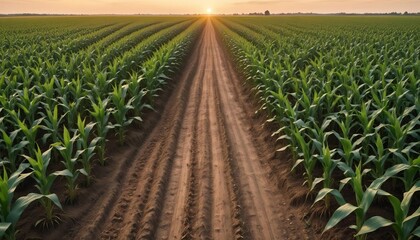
(199, 173)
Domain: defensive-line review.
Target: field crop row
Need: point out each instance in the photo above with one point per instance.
(65, 86)
(345, 93)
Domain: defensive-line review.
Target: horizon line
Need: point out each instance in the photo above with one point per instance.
(213, 14)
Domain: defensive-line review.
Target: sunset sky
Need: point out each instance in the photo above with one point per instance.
(200, 6)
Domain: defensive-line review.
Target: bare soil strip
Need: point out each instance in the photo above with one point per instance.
(199, 174)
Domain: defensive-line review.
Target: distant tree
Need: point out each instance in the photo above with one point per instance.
(405, 13)
(267, 13)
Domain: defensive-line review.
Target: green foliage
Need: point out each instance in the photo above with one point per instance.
(86, 147)
(121, 106)
(12, 209)
(13, 148)
(344, 92)
(66, 147)
(44, 182)
(66, 84)
(101, 114)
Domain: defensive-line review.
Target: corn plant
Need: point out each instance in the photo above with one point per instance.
(305, 156)
(66, 148)
(405, 224)
(28, 103)
(137, 93)
(367, 124)
(71, 109)
(154, 75)
(412, 173)
(328, 165)
(11, 209)
(51, 123)
(121, 106)
(380, 157)
(364, 197)
(14, 150)
(44, 181)
(47, 91)
(323, 154)
(348, 151)
(286, 115)
(102, 84)
(101, 114)
(86, 147)
(30, 131)
(7, 104)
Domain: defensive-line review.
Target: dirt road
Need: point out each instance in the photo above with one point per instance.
(199, 173)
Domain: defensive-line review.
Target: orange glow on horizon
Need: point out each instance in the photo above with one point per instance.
(193, 6)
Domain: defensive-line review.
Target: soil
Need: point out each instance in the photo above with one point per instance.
(203, 166)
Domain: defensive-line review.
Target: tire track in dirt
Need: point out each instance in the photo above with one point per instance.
(198, 174)
(177, 199)
(195, 201)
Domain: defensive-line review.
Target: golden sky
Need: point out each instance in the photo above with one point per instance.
(201, 6)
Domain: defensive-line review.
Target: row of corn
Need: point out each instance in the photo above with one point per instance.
(346, 95)
(61, 99)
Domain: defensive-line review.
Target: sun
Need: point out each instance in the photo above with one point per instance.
(209, 10)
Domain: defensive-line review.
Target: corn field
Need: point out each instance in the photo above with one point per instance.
(342, 92)
(345, 93)
(66, 85)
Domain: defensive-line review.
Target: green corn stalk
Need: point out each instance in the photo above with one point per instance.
(137, 94)
(86, 148)
(29, 104)
(100, 87)
(61, 86)
(366, 122)
(7, 104)
(47, 91)
(380, 157)
(51, 123)
(113, 68)
(404, 224)
(364, 198)
(330, 96)
(13, 149)
(412, 173)
(304, 153)
(67, 151)
(348, 149)
(379, 101)
(10, 209)
(30, 131)
(121, 107)
(76, 88)
(101, 114)
(324, 154)
(154, 75)
(286, 114)
(399, 132)
(328, 165)
(44, 182)
(71, 109)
